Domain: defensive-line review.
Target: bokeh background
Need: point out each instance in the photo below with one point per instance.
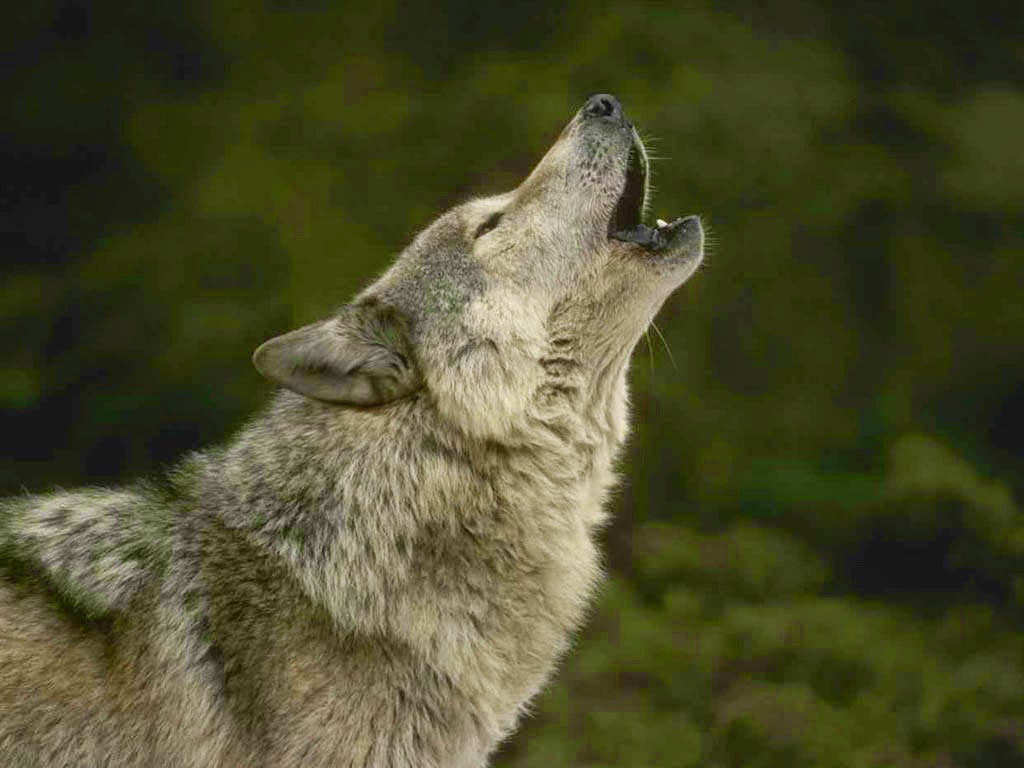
(817, 557)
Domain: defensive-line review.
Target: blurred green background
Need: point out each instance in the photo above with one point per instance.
(817, 557)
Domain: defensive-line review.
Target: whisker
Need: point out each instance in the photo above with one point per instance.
(650, 353)
(668, 349)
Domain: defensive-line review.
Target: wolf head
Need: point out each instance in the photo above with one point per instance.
(509, 306)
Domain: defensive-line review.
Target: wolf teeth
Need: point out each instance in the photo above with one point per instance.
(662, 223)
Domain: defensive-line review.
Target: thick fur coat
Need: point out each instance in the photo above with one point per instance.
(384, 566)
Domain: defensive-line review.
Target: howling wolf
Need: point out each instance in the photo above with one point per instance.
(383, 567)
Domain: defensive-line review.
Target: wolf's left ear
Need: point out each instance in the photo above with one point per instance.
(362, 356)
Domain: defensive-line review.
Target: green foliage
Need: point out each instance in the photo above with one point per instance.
(743, 648)
(819, 551)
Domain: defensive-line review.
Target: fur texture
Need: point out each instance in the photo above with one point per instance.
(382, 568)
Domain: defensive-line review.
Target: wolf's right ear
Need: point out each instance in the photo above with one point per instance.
(362, 356)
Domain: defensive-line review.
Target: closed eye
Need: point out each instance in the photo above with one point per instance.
(490, 223)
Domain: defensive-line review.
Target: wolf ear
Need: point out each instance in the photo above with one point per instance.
(361, 356)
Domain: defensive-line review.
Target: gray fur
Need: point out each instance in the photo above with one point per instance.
(383, 567)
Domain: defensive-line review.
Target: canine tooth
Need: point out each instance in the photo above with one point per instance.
(662, 223)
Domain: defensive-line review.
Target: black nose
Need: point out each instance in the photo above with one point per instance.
(603, 105)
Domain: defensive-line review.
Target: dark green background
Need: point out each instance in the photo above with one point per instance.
(817, 557)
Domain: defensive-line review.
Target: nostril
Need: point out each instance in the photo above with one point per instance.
(602, 105)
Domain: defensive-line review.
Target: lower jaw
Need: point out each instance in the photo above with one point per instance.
(663, 237)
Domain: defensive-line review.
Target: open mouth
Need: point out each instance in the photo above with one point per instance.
(629, 211)
(626, 222)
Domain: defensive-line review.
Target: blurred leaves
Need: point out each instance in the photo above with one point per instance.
(745, 561)
(746, 647)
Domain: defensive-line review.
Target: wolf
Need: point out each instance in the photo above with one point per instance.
(383, 567)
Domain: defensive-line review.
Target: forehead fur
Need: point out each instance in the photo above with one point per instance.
(436, 274)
